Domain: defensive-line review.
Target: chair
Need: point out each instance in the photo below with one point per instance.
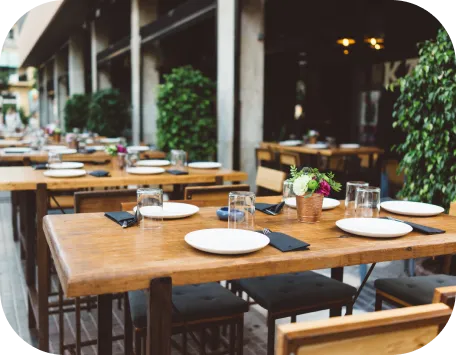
(287, 159)
(445, 295)
(452, 209)
(289, 295)
(390, 332)
(264, 155)
(212, 195)
(269, 180)
(101, 201)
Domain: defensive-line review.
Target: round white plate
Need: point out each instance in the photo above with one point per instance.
(227, 241)
(65, 173)
(137, 149)
(54, 147)
(6, 142)
(66, 165)
(171, 210)
(409, 208)
(109, 140)
(374, 227)
(205, 165)
(291, 143)
(143, 170)
(153, 162)
(17, 150)
(65, 151)
(98, 148)
(328, 203)
(317, 146)
(349, 146)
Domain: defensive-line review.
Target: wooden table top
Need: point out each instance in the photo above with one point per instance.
(94, 255)
(23, 178)
(325, 152)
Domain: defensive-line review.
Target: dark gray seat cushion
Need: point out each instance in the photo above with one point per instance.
(297, 290)
(191, 302)
(415, 290)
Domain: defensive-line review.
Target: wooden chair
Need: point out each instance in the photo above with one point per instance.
(212, 195)
(287, 159)
(269, 180)
(264, 155)
(102, 201)
(445, 295)
(452, 211)
(390, 332)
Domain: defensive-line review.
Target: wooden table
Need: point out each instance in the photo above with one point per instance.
(94, 256)
(36, 189)
(327, 152)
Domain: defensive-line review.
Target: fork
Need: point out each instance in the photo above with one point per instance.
(266, 231)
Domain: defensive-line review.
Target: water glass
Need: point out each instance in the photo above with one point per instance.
(241, 210)
(150, 208)
(132, 159)
(178, 158)
(367, 204)
(288, 195)
(350, 196)
(54, 158)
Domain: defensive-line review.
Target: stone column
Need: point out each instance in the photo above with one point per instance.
(42, 80)
(99, 41)
(76, 67)
(135, 72)
(61, 92)
(51, 111)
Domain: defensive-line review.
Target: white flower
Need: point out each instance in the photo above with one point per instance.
(300, 185)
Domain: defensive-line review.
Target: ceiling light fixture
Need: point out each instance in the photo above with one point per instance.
(346, 42)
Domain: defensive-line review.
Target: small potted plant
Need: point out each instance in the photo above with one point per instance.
(118, 152)
(71, 140)
(57, 134)
(310, 186)
(312, 136)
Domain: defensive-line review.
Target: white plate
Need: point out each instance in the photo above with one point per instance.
(153, 162)
(317, 146)
(227, 241)
(374, 227)
(349, 146)
(171, 210)
(65, 151)
(143, 170)
(328, 203)
(6, 142)
(54, 147)
(409, 208)
(137, 149)
(109, 140)
(96, 147)
(205, 165)
(291, 143)
(66, 165)
(69, 173)
(17, 150)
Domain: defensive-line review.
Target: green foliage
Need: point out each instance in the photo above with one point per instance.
(4, 79)
(109, 113)
(315, 175)
(186, 117)
(426, 111)
(24, 118)
(76, 112)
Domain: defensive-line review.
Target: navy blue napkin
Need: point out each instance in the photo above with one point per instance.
(176, 172)
(40, 167)
(269, 207)
(419, 227)
(284, 242)
(124, 219)
(99, 173)
(88, 151)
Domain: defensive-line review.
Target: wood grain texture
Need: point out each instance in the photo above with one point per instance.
(26, 178)
(445, 295)
(95, 256)
(270, 179)
(390, 332)
(102, 201)
(326, 152)
(211, 193)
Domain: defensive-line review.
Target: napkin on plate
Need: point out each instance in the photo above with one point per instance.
(269, 207)
(40, 167)
(176, 172)
(419, 227)
(123, 219)
(285, 243)
(99, 173)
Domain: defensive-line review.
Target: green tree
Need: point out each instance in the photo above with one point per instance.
(76, 112)
(186, 114)
(426, 111)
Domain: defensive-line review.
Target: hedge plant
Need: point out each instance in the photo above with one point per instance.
(186, 114)
(76, 112)
(109, 113)
(426, 112)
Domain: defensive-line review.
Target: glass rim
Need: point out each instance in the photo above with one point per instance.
(241, 194)
(364, 183)
(369, 189)
(149, 190)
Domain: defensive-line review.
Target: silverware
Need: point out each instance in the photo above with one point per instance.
(266, 231)
(397, 220)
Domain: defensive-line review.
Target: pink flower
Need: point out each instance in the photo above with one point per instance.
(121, 149)
(324, 188)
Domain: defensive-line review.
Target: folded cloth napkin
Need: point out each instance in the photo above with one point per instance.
(99, 173)
(40, 167)
(285, 243)
(123, 219)
(269, 207)
(176, 172)
(419, 227)
(88, 151)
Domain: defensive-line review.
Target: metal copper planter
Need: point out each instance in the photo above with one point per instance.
(309, 208)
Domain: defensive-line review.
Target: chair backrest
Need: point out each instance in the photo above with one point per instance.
(263, 154)
(452, 211)
(270, 179)
(446, 295)
(288, 159)
(391, 332)
(217, 193)
(128, 206)
(102, 201)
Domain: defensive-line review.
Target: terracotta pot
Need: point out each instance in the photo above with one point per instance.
(118, 162)
(57, 137)
(313, 140)
(308, 209)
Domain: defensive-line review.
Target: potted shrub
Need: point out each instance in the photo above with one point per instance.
(186, 114)
(109, 113)
(425, 110)
(118, 153)
(76, 112)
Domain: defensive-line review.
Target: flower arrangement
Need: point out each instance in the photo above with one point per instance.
(114, 150)
(70, 137)
(309, 181)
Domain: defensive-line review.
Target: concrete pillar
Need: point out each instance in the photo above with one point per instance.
(51, 109)
(135, 72)
(226, 79)
(43, 96)
(60, 87)
(76, 69)
(251, 83)
(99, 41)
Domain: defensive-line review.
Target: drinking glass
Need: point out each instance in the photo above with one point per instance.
(132, 159)
(350, 196)
(150, 208)
(367, 204)
(178, 158)
(241, 210)
(289, 195)
(54, 158)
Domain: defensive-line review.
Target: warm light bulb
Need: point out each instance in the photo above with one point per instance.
(377, 46)
(373, 41)
(345, 42)
(346, 51)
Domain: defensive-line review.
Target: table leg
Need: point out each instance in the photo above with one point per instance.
(28, 214)
(105, 324)
(159, 317)
(337, 273)
(14, 203)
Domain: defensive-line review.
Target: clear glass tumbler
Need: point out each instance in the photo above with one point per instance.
(367, 204)
(53, 158)
(241, 210)
(178, 158)
(150, 208)
(350, 196)
(132, 159)
(289, 197)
